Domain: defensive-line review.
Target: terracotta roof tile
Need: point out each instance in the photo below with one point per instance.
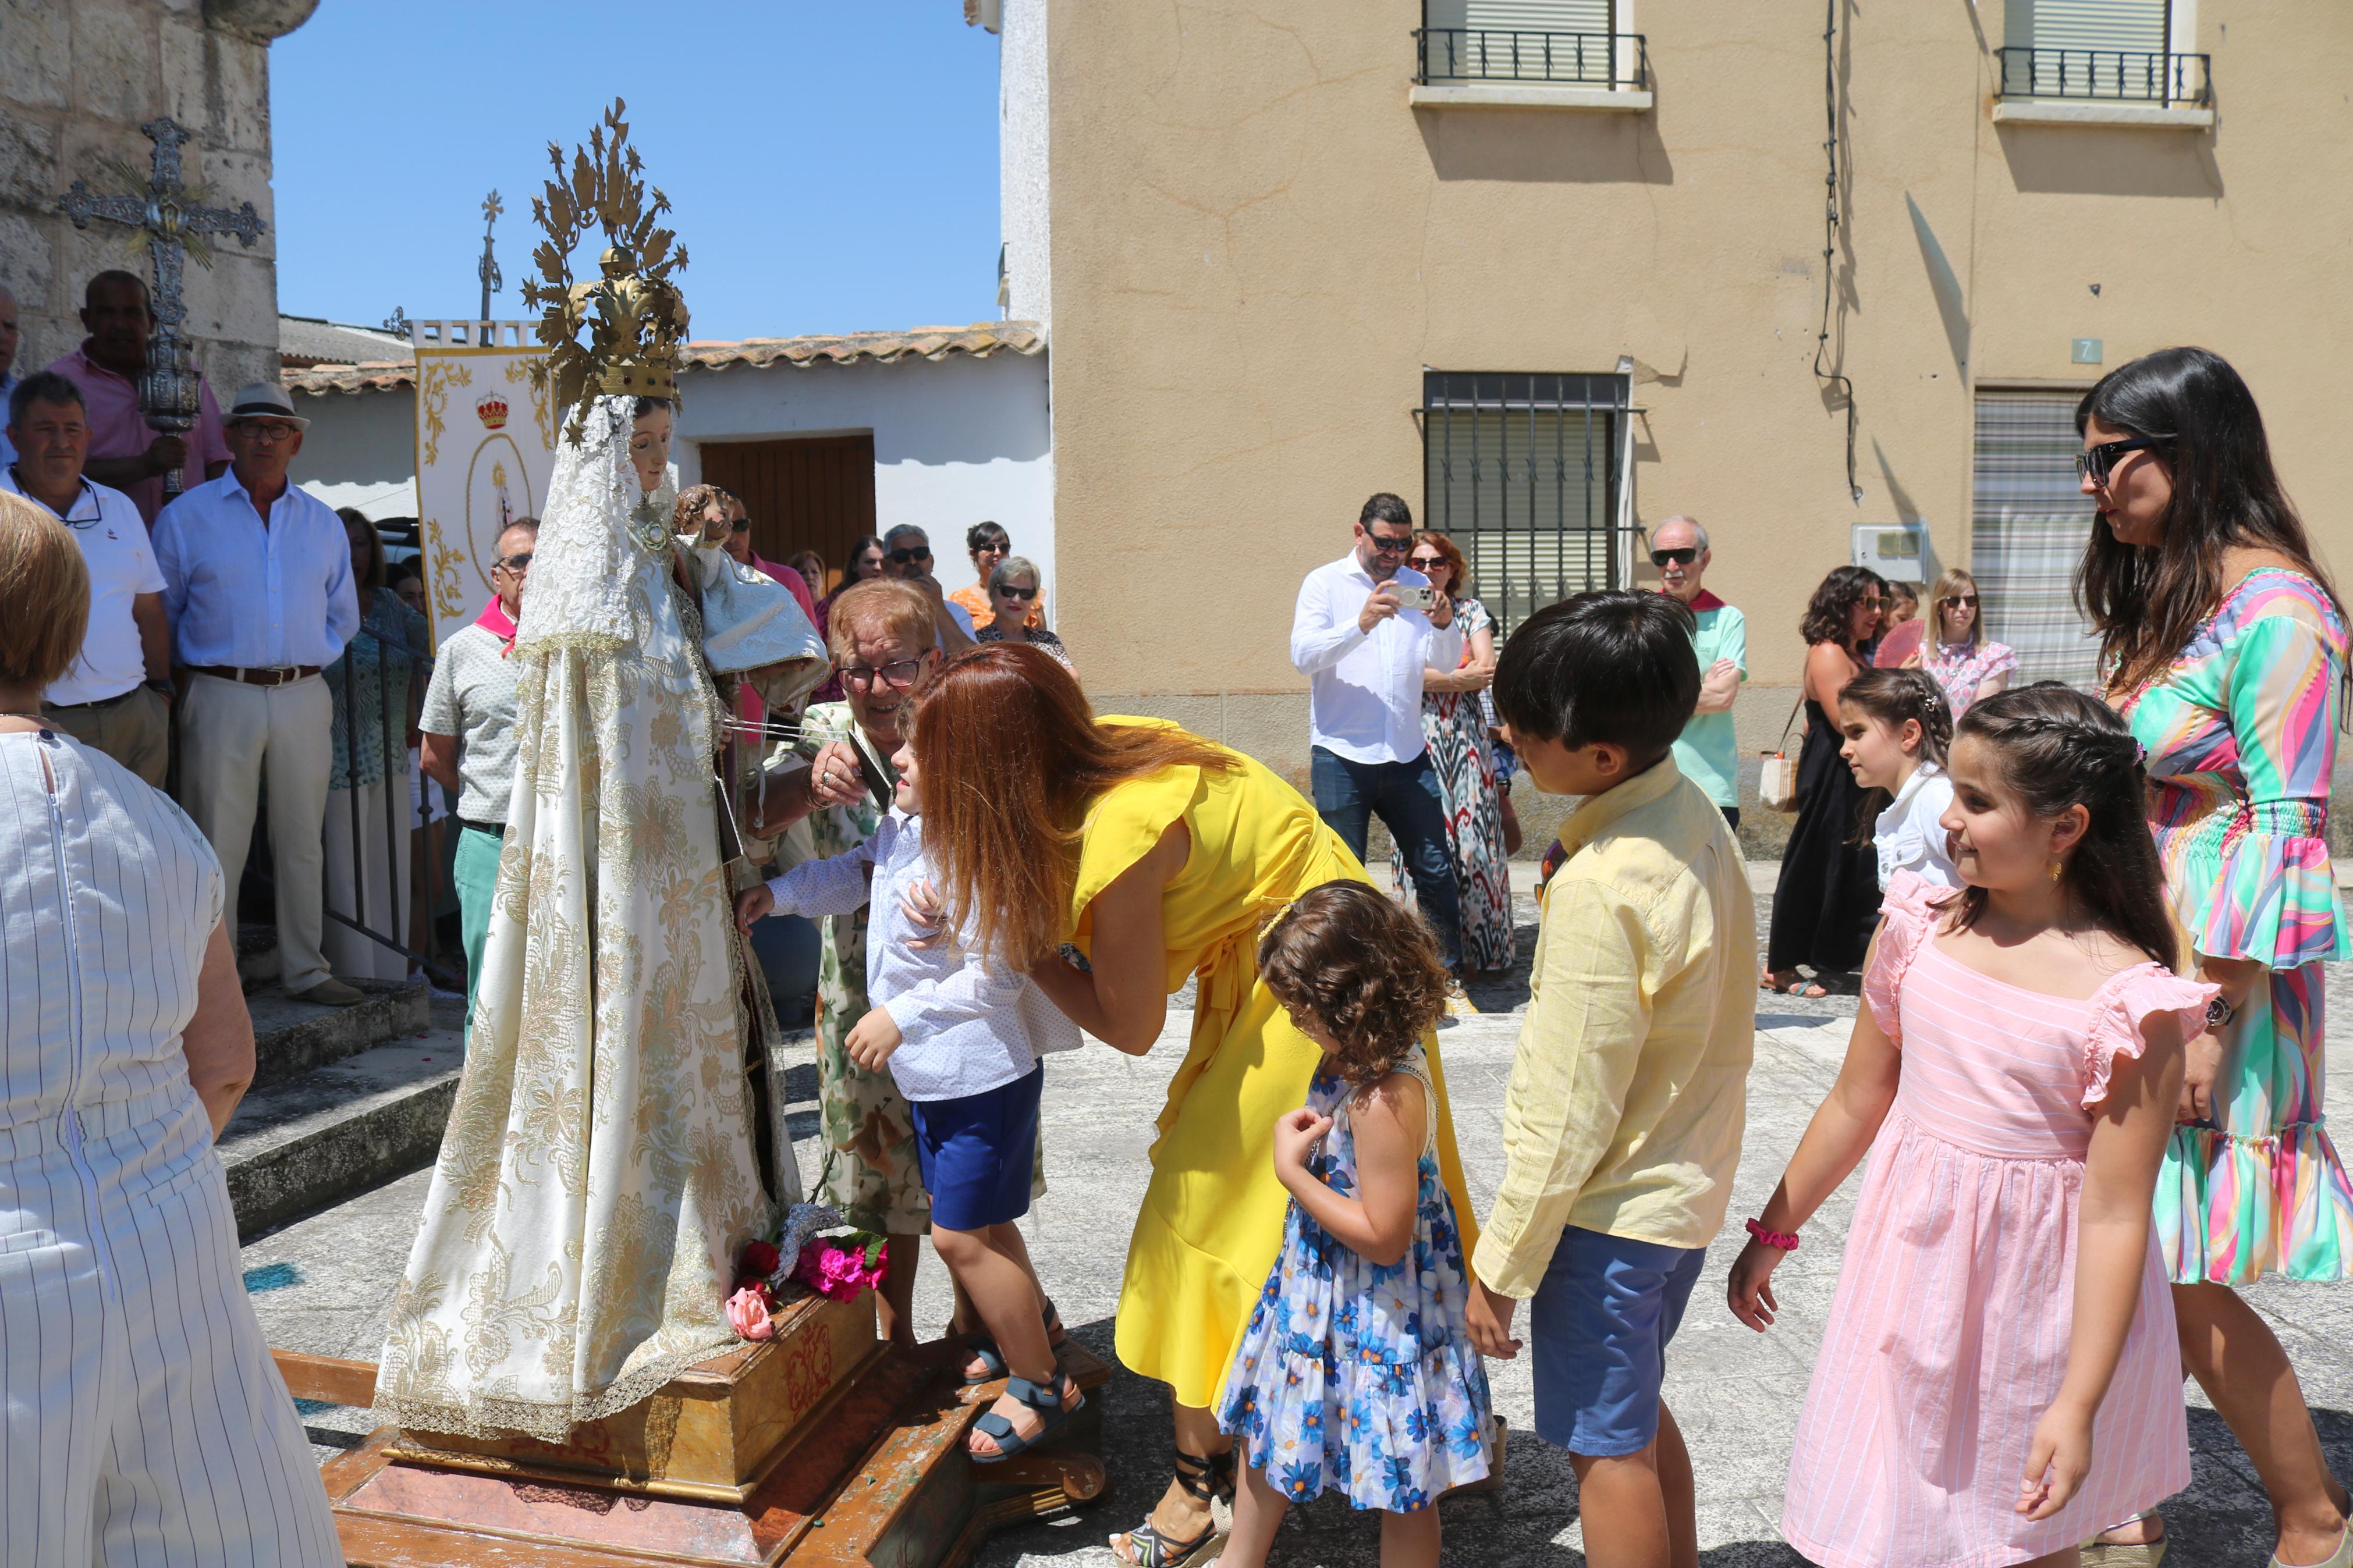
(980, 340)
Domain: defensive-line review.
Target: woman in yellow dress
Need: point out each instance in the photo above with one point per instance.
(1160, 854)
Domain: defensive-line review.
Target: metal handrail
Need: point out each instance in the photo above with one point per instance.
(2114, 75)
(396, 807)
(1568, 59)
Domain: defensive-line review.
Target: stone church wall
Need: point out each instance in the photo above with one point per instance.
(76, 82)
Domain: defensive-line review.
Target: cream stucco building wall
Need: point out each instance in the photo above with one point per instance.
(1258, 246)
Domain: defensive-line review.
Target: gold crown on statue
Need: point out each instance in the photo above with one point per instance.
(635, 316)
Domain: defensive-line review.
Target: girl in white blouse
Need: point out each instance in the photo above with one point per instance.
(1897, 724)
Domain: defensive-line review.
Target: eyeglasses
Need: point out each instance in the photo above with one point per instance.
(1682, 556)
(1969, 600)
(268, 435)
(741, 525)
(1424, 562)
(517, 564)
(1024, 594)
(2093, 463)
(1872, 603)
(1388, 546)
(902, 557)
(898, 674)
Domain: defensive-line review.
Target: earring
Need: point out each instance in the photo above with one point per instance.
(2056, 868)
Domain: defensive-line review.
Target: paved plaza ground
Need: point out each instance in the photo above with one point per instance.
(324, 1285)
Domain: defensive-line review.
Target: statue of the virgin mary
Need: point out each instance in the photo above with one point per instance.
(599, 1174)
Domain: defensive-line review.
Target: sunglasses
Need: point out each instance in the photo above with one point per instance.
(1681, 556)
(902, 557)
(521, 563)
(1872, 603)
(2092, 463)
(1389, 546)
(901, 674)
(741, 525)
(1024, 594)
(1424, 562)
(1970, 600)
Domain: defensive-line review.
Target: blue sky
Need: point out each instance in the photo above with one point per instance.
(831, 168)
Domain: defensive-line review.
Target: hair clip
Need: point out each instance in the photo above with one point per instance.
(1275, 919)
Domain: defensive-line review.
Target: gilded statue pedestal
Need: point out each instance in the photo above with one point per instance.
(821, 1448)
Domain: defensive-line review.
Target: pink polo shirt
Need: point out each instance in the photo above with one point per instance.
(117, 430)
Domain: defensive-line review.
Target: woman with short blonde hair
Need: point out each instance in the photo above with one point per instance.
(125, 1049)
(1956, 653)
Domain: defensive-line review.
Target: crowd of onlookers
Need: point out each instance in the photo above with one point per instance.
(258, 654)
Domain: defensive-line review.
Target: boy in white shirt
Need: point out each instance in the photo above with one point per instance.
(964, 1036)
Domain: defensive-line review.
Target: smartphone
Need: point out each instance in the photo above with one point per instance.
(1423, 598)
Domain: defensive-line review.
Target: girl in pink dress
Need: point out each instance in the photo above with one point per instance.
(1998, 1379)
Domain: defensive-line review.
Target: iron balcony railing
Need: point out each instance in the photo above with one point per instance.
(2124, 76)
(1612, 60)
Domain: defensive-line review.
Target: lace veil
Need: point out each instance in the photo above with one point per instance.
(585, 588)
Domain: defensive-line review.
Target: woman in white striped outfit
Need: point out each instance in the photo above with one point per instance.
(141, 1419)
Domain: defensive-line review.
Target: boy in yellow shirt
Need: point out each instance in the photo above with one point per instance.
(1622, 1123)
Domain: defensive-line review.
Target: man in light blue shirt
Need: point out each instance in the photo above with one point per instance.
(1707, 753)
(257, 581)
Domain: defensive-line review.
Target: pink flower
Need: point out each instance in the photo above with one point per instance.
(747, 1314)
(840, 1273)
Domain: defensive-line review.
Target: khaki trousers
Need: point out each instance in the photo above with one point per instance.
(135, 731)
(232, 738)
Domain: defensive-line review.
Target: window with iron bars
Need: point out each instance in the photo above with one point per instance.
(1565, 42)
(1525, 473)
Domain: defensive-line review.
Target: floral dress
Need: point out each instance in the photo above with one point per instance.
(1454, 728)
(1959, 669)
(2241, 735)
(1355, 1374)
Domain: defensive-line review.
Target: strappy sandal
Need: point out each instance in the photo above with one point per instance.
(981, 1347)
(1042, 1399)
(2098, 1553)
(1197, 1477)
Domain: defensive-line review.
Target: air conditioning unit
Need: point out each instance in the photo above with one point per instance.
(1899, 552)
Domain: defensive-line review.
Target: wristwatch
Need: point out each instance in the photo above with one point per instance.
(2219, 1014)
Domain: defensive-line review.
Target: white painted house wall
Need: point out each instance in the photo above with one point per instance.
(957, 440)
(359, 450)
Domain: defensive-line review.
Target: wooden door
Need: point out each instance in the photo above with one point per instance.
(808, 492)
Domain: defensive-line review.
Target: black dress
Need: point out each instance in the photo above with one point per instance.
(1827, 900)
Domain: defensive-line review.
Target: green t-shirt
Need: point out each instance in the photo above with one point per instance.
(1708, 752)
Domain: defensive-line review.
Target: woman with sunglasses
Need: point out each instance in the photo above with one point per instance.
(988, 544)
(1828, 898)
(1966, 666)
(1013, 602)
(1470, 783)
(2223, 643)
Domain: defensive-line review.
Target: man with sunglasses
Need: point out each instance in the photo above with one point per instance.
(257, 579)
(1707, 753)
(1363, 649)
(468, 739)
(115, 699)
(907, 556)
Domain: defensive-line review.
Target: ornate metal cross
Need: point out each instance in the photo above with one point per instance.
(167, 392)
(488, 269)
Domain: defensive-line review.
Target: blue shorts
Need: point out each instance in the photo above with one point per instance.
(1599, 1324)
(977, 1151)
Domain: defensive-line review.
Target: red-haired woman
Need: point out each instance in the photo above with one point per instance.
(1160, 854)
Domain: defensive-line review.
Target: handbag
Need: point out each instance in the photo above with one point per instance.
(1776, 782)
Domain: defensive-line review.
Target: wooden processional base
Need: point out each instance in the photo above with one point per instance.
(821, 1448)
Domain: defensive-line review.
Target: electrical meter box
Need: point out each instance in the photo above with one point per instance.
(1899, 552)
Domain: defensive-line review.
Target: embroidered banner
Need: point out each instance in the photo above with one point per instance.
(485, 446)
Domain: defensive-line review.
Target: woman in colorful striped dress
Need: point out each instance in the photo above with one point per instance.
(2225, 646)
(1454, 727)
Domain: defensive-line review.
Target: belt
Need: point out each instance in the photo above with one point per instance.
(495, 829)
(283, 676)
(92, 707)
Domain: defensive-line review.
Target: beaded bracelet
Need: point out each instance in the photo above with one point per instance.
(1773, 1238)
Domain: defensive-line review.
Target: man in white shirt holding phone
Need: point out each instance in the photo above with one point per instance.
(1365, 627)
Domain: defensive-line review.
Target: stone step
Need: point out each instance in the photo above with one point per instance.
(340, 1129)
(292, 1038)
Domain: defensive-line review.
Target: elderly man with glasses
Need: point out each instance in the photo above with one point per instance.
(258, 583)
(907, 556)
(468, 739)
(1360, 637)
(1707, 753)
(115, 697)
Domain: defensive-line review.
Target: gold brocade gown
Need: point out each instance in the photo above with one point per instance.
(1212, 1218)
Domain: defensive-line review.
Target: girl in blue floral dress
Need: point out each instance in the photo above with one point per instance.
(1356, 1371)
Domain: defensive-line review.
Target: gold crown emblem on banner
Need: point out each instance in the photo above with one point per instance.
(635, 317)
(493, 412)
